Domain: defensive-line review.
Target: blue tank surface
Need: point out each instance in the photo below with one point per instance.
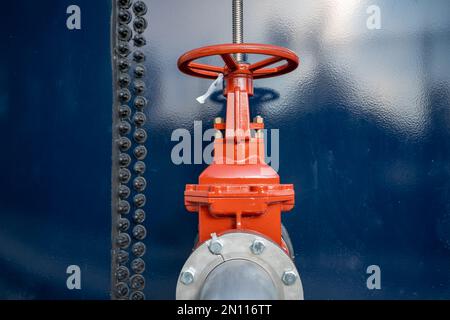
(364, 135)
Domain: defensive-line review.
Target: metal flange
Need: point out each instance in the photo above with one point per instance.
(277, 268)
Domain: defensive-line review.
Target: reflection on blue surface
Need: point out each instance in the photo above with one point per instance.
(364, 132)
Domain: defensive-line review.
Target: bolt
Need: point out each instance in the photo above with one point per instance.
(124, 80)
(124, 95)
(124, 144)
(122, 273)
(139, 41)
(123, 240)
(139, 56)
(187, 277)
(139, 167)
(139, 200)
(124, 127)
(140, 136)
(124, 160)
(140, 152)
(139, 232)
(123, 207)
(138, 265)
(123, 49)
(124, 192)
(123, 224)
(139, 184)
(218, 120)
(137, 295)
(140, 24)
(137, 282)
(124, 16)
(124, 175)
(139, 118)
(139, 86)
(259, 134)
(124, 111)
(258, 119)
(289, 277)
(139, 249)
(140, 102)
(124, 65)
(122, 257)
(215, 245)
(125, 3)
(139, 8)
(122, 290)
(257, 247)
(139, 216)
(124, 33)
(139, 72)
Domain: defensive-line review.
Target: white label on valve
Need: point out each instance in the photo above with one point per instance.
(202, 99)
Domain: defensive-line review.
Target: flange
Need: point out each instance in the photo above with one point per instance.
(277, 270)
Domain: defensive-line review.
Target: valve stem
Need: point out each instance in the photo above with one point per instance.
(238, 27)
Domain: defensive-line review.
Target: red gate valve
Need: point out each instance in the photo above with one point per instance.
(239, 191)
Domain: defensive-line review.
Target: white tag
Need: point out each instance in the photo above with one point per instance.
(211, 89)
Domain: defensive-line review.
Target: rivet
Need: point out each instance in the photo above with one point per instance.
(122, 290)
(139, 232)
(139, 216)
(138, 265)
(139, 200)
(137, 282)
(140, 8)
(140, 24)
(140, 152)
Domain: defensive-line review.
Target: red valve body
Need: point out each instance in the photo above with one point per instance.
(238, 191)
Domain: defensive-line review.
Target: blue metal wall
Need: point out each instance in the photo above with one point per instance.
(364, 136)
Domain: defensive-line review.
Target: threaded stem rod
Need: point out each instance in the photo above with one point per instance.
(238, 26)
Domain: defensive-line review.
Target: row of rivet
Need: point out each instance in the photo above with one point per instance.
(129, 285)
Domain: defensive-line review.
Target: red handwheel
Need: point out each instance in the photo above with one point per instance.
(261, 69)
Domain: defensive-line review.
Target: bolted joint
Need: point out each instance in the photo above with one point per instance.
(187, 276)
(257, 247)
(215, 245)
(289, 278)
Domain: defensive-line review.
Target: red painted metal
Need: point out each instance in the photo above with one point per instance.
(239, 191)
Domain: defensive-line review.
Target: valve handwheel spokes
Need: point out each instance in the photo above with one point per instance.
(261, 69)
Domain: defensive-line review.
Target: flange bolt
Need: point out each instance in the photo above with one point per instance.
(257, 247)
(187, 277)
(215, 246)
(289, 278)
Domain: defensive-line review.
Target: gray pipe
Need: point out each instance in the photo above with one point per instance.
(238, 280)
